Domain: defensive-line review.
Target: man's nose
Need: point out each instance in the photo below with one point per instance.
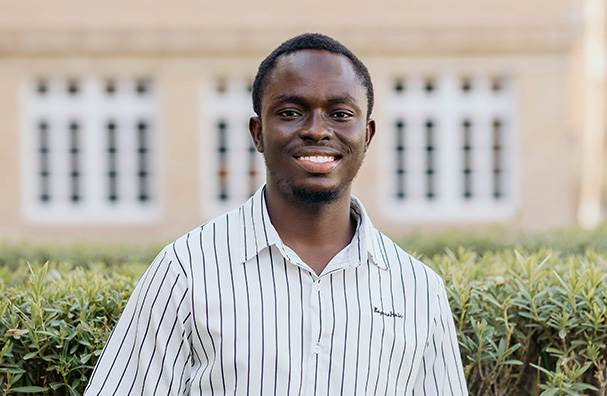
(316, 128)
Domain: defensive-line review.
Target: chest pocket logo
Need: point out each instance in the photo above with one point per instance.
(390, 314)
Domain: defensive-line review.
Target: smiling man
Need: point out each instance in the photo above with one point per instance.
(313, 128)
(295, 292)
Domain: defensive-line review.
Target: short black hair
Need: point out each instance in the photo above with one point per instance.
(309, 41)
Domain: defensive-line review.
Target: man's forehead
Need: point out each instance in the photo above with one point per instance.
(310, 58)
(312, 74)
(306, 68)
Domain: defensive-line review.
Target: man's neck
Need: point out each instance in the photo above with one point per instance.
(315, 232)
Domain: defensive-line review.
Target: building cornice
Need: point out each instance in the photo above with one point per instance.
(217, 42)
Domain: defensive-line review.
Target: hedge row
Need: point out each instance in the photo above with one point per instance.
(528, 323)
(54, 321)
(568, 241)
(16, 255)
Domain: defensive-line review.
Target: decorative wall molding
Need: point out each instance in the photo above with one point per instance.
(413, 41)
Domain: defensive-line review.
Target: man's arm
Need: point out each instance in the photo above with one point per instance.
(148, 352)
(442, 372)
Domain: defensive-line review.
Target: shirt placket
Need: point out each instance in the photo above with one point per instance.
(318, 358)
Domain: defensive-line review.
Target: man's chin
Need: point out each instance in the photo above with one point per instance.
(310, 197)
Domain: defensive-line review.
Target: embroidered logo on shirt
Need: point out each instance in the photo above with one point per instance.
(390, 314)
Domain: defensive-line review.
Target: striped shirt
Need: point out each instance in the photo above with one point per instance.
(228, 309)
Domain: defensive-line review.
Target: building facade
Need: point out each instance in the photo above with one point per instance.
(125, 121)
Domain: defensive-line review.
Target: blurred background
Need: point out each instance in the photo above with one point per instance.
(126, 121)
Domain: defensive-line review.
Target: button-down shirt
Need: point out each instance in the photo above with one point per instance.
(229, 309)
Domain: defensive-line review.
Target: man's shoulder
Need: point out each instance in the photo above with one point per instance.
(198, 231)
(389, 254)
(203, 234)
(403, 262)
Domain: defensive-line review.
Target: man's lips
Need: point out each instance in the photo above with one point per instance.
(317, 163)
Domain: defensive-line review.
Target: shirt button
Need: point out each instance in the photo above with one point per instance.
(317, 286)
(317, 349)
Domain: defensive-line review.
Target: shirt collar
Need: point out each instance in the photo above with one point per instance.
(257, 232)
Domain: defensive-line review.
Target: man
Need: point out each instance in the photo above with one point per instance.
(295, 292)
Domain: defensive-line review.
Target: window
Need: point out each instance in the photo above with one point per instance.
(451, 150)
(89, 150)
(233, 169)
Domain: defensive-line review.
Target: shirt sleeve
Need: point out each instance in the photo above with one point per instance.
(442, 371)
(148, 352)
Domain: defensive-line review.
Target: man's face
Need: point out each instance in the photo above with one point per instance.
(313, 129)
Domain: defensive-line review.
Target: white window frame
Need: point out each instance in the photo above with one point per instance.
(92, 107)
(448, 106)
(227, 100)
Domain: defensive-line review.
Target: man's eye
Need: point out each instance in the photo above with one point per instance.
(341, 114)
(288, 113)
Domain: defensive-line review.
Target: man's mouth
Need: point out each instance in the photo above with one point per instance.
(317, 163)
(319, 159)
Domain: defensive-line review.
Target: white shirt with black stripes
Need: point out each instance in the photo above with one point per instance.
(228, 309)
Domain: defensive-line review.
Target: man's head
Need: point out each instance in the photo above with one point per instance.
(313, 124)
(309, 41)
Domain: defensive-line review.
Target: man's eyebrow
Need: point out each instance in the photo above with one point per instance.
(285, 98)
(346, 99)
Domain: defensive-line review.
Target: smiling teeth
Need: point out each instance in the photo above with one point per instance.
(318, 158)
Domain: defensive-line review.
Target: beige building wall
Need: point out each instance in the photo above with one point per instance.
(183, 45)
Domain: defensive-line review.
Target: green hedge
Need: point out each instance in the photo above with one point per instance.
(528, 323)
(16, 255)
(54, 321)
(567, 240)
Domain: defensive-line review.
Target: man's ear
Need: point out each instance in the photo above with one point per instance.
(370, 132)
(255, 131)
